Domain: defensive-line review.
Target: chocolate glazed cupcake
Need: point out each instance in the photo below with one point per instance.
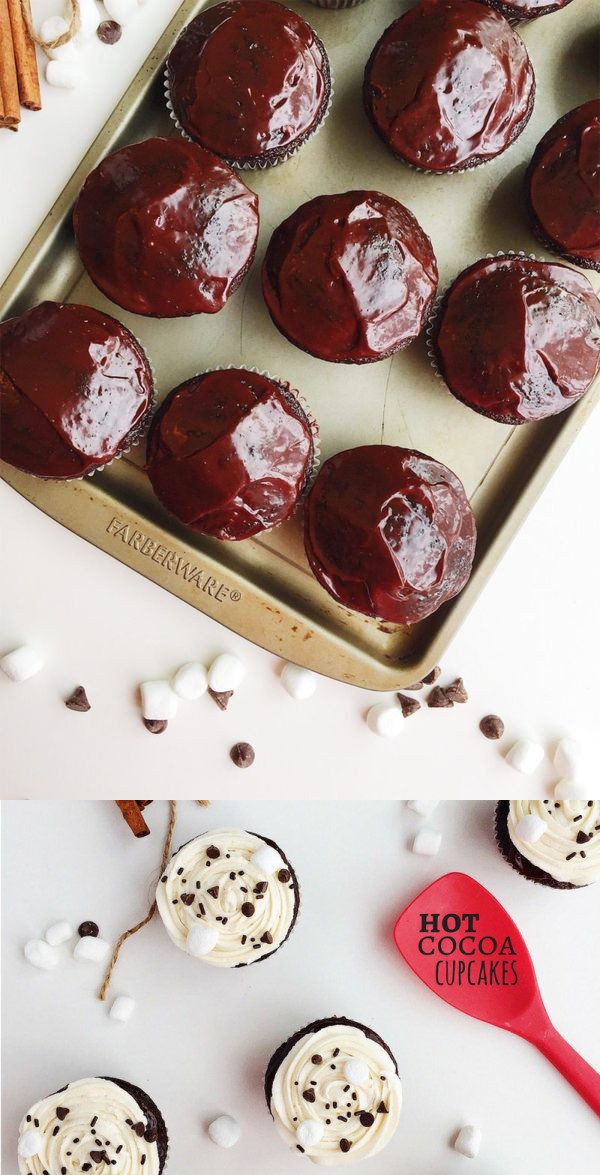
(334, 1092)
(555, 844)
(98, 1121)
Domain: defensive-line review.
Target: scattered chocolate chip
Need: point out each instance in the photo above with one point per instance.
(284, 876)
(408, 705)
(433, 676)
(213, 852)
(438, 699)
(267, 937)
(382, 1108)
(583, 837)
(247, 909)
(309, 1095)
(78, 701)
(491, 726)
(88, 930)
(151, 1134)
(242, 754)
(365, 1118)
(222, 699)
(213, 891)
(187, 899)
(345, 1145)
(456, 691)
(155, 725)
(99, 1157)
(317, 1059)
(261, 887)
(412, 689)
(140, 1129)
(109, 32)
(61, 1113)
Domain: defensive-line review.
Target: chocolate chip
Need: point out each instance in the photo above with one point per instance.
(456, 691)
(242, 754)
(222, 699)
(261, 887)
(408, 705)
(155, 725)
(583, 837)
(309, 1095)
(382, 1109)
(213, 852)
(491, 726)
(284, 876)
(88, 930)
(151, 1134)
(317, 1059)
(140, 1129)
(99, 1157)
(412, 689)
(213, 891)
(247, 909)
(187, 899)
(267, 937)
(78, 701)
(366, 1119)
(433, 676)
(61, 1113)
(109, 32)
(345, 1145)
(438, 699)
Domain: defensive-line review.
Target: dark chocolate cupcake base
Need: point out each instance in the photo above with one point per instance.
(284, 1049)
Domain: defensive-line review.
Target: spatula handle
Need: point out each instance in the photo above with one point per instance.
(578, 1073)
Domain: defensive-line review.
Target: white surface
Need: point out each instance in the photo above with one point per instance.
(529, 650)
(201, 1038)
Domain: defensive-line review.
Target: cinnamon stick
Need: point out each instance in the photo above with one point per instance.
(24, 50)
(132, 813)
(9, 86)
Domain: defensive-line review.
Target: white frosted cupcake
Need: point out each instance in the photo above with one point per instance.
(556, 843)
(229, 897)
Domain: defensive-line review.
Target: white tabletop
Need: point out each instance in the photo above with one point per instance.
(200, 1038)
(528, 651)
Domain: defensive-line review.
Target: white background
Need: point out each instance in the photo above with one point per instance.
(200, 1038)
(529, 650)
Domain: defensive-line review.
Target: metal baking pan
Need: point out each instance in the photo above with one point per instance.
(262, 588)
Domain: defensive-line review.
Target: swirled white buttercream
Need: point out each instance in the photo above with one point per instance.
(216, 882)
(313, 1083)
(569, 849)
(90, 1122)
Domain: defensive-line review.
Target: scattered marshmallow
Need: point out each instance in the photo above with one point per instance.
(224, 1131)
(91, 950)
(427, 842)
(51, 29)
(159, 702)
(89, 19)
(267, 859)
(30, 1144)
(65, 75)
(570, 789)
(191, 681)
(468, 1141)
(356, 1071)
(59, 933)
(300, 683)
(385, 719)
(568, 758)
(40, 954)
(530, 828)
(309, 1133)
(525, 756)
(201, 940)
(22, 663)
(122, 1008)
(226, 673)
(422, 807)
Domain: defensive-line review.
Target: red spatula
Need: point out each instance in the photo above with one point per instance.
(461, 942)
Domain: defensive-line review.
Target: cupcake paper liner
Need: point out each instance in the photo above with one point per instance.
(516, 860)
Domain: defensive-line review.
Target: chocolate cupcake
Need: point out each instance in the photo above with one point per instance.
(350, 278)
(249, 80)
(554, 843)
(563, 187)
(75, 390)
(389, 532)
(99, 1123)
(165, 228)
(230, 452)
(334, 1092)
(517, 339)
(229, 897)
(517, 10)
(449, 85)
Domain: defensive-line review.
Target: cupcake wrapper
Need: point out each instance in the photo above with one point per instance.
(515, 859)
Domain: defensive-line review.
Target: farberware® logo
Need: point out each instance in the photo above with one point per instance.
(172, 561)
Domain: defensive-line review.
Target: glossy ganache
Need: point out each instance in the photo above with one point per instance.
(75, 388)
(449, 85)
(350, 278)
(389, 532)
(165, 228)
(229, 453)
(563, 186)
(518, 340)
(249, 80)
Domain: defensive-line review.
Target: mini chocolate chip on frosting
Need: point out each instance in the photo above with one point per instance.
(569, 847)
(92, 1123)
(228, 897)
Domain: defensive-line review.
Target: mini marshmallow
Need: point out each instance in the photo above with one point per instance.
(91, 950)
(422, 807)
(121, 10)
(59, 933)
(525, 756)
(30, 1144)
(65, 75)
(159, 702)
(201, 940)
(300, 683)
(191, 681)
(226, 673)
(427, 842)
(89, 19)
(22, 663)
(40, 954)
(267, 859)
(468, 1141)
(224, 1131)
(122, 1008)
(569, 789)
(530, 828)
(51, 29)
(568, 758)
(309, 1133)
(385, 719)
(356, 1071)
